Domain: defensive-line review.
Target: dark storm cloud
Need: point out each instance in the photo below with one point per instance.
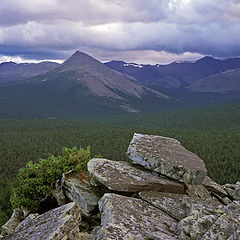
(55, 28)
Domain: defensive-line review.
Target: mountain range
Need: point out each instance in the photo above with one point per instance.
(83, 86)
(179, 74)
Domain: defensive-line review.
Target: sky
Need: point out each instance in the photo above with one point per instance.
(141, 31)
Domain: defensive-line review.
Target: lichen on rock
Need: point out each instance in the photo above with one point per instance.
(168, 157)
(56, 224)
(130, 218)
(120, 176)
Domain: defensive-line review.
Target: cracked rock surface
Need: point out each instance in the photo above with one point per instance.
(129, 218)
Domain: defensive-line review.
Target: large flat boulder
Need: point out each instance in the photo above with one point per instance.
(168, 157)
(120, 176)
(56, 224)
(130, 218)
(78, 188)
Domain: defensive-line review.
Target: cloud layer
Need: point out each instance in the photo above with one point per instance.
(41, 29)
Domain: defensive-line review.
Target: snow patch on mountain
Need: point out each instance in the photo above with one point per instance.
(133, 65)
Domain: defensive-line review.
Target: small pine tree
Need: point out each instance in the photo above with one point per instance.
(37, 180)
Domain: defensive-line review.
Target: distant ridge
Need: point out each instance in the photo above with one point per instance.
(10, 71)
(176, 74)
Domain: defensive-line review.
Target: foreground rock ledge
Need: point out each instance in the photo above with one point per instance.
(130, 218)
(166, 156)
(59, 223)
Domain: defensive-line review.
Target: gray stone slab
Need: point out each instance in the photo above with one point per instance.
(170, 203)
(177, 206)
(120, 176)
(130, 218)
(168, 157)
(55, 224)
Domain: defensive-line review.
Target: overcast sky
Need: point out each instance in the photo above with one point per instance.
(142, 31)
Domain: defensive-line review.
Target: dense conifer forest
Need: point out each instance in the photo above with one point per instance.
(211, 133)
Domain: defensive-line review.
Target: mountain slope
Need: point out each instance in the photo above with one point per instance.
(176, 74)
(228, 81)
(102, 81)
(81, 86)
(10, 71)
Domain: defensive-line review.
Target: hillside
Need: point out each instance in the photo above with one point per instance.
(102, 81)
(228, 81)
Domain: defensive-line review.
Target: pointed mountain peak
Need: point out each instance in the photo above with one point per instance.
(79, 54)
(80, 59)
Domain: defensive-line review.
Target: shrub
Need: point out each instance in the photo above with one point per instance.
(37, 180)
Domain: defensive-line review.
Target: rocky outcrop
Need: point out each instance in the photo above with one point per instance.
(129, 218)
(163, 195)
(59, 223)
(168, 157)
(120, 176)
